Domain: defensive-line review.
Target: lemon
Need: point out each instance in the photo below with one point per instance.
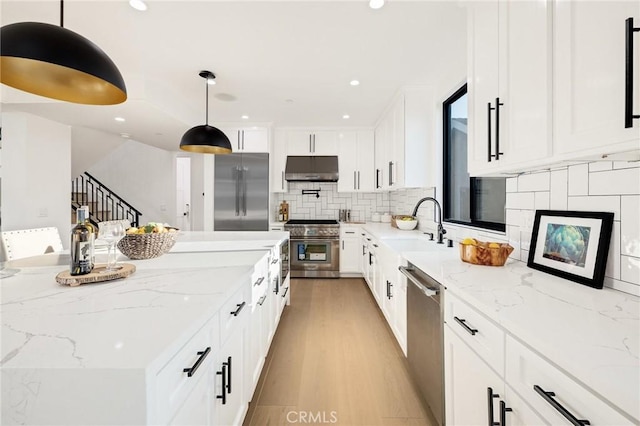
(494, 245)
(469, 241)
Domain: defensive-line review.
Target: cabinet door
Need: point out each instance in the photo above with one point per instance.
(196, 409)
(589, 72)
(381, 142)
(235, 137)
(395, 153)
(299, 142)
(348, 162)
(279, 162)
(399, 292)
(230, 400)
(255, 140)
(467, 379)
(325, 142)
(349, 255)
(364, 258)
(365, 167)
(521, 413)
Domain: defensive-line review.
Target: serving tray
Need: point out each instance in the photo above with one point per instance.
(98, 274)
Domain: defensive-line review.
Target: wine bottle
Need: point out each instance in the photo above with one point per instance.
(81, 242)
(94, 233)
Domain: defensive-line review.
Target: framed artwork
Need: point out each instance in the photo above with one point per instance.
(572, 245)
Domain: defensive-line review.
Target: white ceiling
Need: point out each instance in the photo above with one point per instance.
(288, 63)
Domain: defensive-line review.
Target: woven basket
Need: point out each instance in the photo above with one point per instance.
(146, 246)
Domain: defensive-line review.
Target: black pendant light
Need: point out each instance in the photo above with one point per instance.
(206, 139)
(57, 63)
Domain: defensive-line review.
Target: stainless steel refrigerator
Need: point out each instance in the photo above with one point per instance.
(241, 192)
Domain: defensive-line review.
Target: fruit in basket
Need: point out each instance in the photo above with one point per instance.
(469, 241)
(151, 228)
(494, 245)
(407, 218)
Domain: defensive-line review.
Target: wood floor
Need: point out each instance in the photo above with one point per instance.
(334, 360)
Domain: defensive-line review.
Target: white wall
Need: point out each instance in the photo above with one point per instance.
(90, 146)
(142, 175)
(36, 174)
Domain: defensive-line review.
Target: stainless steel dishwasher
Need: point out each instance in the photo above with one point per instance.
(425, 345)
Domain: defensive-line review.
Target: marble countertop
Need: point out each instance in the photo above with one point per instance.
(228, 240)
(132, 323)
(593, 335)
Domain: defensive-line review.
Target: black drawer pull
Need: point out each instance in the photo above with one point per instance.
(223, 373)
(490, 396)
(463, 323)
(349, 232)
(261, 300)
(629, 116)
(286, 289)
(237, 311)
(228, 364)
(192, 370)
(548, 396)
(259, 281)
(503, 413)
(274, 261)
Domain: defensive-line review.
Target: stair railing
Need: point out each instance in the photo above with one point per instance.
(104, 204)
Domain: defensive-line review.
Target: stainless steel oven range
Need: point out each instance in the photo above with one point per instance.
(315, 248)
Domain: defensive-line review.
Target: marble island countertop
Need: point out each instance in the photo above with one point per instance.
(593, 335)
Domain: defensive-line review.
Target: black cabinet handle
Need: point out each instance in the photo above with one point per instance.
(355, 179)
(349, 232)
(274, 261)
(490, 396)
(228, 364)
(548, 396)
(262, 299)
(375, 245)
(377, 178)
(368, 239)
(342, 244)
(370, 259)
(391, 182)
(192, 370)
(258, 281)
(223, 373)
(628, 74)
(237, 311)
(463, 323)
(489, 154)
(498, 105)
(503, 413)
(387, 289)
(364, 250)
(390, 294)
(286, 289)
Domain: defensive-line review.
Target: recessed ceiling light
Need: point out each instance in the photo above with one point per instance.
(346, 116)
(138, 5)
(211, 81)
(120, 119)
(245, 117)
(376, 4)
(354, 82)
(125, 135)
(288, 101)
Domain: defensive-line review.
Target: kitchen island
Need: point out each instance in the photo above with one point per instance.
(98, 353)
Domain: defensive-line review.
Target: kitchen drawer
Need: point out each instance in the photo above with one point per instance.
(480, 333)
(259, 280)
(349, 231)
(173, 384)
(526, 369)
(235, 311)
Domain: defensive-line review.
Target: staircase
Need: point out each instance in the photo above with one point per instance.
(104, 204)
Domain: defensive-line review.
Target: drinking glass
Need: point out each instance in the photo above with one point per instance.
(111, 232)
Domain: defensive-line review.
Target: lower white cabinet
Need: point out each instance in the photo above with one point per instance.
(350, 249)
(230, 401)
(198, 408)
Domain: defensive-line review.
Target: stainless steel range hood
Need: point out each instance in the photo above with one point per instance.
(311, 168)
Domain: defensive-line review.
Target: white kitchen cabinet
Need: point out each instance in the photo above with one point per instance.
(364, 256)
(312, 142)
(355, 161)
(405, 148)
(198, 409)
(350, 249)
(509, 85)
(251, 139)
(589, 78)
(231, 402)
(399, 294)
(394, 293)
(279, 162)
(259, 324)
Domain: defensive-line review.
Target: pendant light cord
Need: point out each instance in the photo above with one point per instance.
(206, 119)
(62, 13)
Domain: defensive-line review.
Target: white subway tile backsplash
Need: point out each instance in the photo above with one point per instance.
(534, 182)
(513, 217)
(524, 256)
(512, 184)
(578, 179)
(630, 227)
(558, 189)
(610, 203)
(622, 286)
(623, 181)
(525, 239)
(613, 258)
(598, 166)
(520, 200)
(527, 217)
(542, 200)
(630, 269)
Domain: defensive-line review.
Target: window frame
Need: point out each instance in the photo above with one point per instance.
(446, 186)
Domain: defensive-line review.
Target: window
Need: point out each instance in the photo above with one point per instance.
(477, 202)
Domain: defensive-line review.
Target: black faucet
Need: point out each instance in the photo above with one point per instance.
(441, 230)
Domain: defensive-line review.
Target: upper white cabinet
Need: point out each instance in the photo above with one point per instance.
(279, 162)
(405, 148)
(310, 142)
(589, 75)
(254, 139)
(509, 84)
(355, 161)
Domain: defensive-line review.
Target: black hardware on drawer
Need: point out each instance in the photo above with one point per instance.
(629, 116)
(223, 373)
(286, 289)
(498, 105)
(463, 323)
(274, 261)
(261, 300)
(192, 370)
(258, 281)
(490, 396)
(489, 154)
(548, 396)
(370, 259)
(237, 311)
(377, 178)
(364, 250)
(228, 364)
(503, 413)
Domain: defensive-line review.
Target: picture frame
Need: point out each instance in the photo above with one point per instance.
(571, 244)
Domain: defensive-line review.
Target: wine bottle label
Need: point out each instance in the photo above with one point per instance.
(81, 258)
